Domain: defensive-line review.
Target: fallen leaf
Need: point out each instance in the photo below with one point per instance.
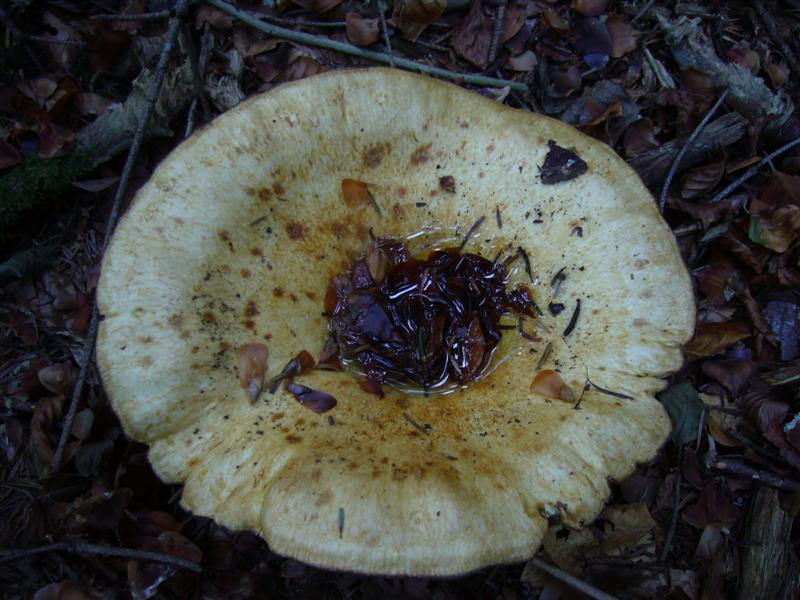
(732, 374)
(250, 47)
(54, 140)
(27, 263)
(713, 338)
(318, 7)
(94, 458)
(778, 73)
(213, 16)
(686, 411)
(640, 137)
(593, 42)
(548, 383)
(701, 180)
(95, 185)
(362, 31)
(624, 37)
(554, 20)
(710, 543)
(523, 62)
(68, 590)
(11, 438)
(251, 365)
(783, 319)
(301, 65)
(472, 36)
(411, 17)
(589, 8)
(712, 507)
(632, 527)
(743, 55)
(59, 377)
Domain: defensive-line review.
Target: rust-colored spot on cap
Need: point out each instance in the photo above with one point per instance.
(296, 231)
(421, 155)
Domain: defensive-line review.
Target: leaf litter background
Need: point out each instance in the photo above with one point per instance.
(714, 516)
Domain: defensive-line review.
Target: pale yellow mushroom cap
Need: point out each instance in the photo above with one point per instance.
(233, 241)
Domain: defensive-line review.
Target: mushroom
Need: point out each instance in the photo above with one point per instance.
(233, 242)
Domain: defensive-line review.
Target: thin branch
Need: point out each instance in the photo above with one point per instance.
(198, 63)
(133, 154)
(303, 22)
(662, 199)
(151, 16)
(385, 31)
(83, 548)
(753, 170)
(321, 42)
(499, 17)
(770, 479)
(571, 581)
(774, 34)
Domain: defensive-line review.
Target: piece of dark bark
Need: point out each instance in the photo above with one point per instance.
(653, 165)
(113, 131)
(769, 567)
(749, 95)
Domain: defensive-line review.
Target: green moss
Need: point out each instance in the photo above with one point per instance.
(34, 183)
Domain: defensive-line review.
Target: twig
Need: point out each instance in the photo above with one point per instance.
(499, 17)
(127, 170)
(571, 581)
(349, 49)
(303, 22)
(198, 65)
(151, 16)
(385, 31)
(753, 170)
(774, 34)
(770, 479)
(662, 199)
(757, 448)
(642, 11)
(83, 548)
(673, 525)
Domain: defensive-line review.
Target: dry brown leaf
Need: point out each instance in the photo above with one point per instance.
(778, 73)
(700, 180)
(89, 103)
(720, 422)
(318, 6)
(640, 137)
(713, 338)
(472, 36)
(589, 8)
(411, 17)
(362, 31)
(213, 16)
(554, 20)
(624, 37)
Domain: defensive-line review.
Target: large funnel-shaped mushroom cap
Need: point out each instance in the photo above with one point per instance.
(233, 242)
